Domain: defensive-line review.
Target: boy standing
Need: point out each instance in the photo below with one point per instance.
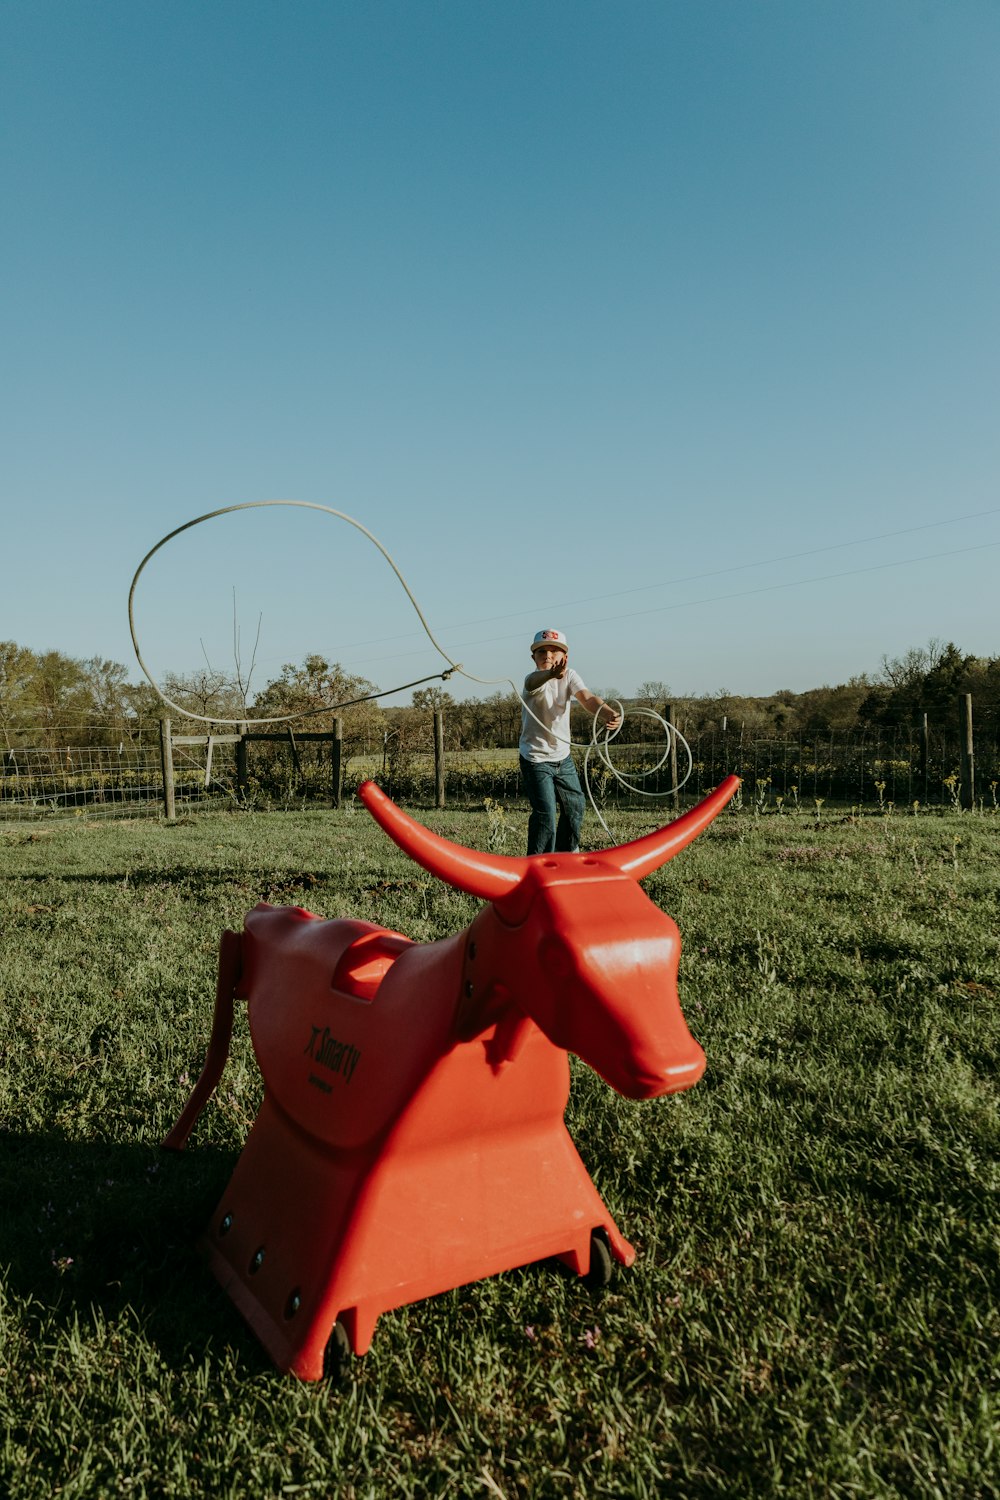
(547, 770)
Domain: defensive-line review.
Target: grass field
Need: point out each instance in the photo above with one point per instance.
(813, 1311)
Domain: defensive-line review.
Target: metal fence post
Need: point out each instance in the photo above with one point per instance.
(668, 714)
(438, 757)
(241, 763)
(968, 789)
(167, 764)
(337, 761)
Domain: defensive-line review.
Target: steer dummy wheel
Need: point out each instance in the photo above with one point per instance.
(601, 1263)
(337, 1355)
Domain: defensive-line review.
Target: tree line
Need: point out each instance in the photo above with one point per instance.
(50, 699)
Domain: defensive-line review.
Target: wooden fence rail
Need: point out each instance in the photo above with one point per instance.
(334, 737)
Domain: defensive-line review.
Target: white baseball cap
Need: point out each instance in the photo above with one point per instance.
(547, 638)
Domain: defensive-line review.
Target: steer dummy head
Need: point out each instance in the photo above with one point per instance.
(573, 942)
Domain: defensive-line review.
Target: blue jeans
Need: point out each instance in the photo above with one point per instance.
(548, 785)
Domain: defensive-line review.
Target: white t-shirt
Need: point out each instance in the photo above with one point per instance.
(551, 704)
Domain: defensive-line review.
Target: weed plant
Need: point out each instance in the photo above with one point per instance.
(812, 1311)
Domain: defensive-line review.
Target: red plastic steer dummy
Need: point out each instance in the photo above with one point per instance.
(411, 1135)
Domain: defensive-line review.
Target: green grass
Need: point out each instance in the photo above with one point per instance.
(813, 1310)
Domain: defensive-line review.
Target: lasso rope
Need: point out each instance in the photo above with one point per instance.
(226, 510)
(600, 743)
(598, 746)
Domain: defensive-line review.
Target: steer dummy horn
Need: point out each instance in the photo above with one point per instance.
(491, 876)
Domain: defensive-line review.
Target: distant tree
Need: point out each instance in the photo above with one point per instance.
(476, 716)
(653, 694)
(108, 684)
(783, 705)
(320, 689)
(760, 717)
(120, 710)
(17, 670)
(952, 674)
(415, 725)
(143, 709)
(907, 672)
(59, 700)
(502, 718)
(211, 695)
(52, 699)
(832, 710)
(713, 711)
(984, 685)
(925, 679)
(429, 699)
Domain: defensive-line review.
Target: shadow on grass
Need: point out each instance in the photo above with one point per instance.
(183, 876)
(113, 1227)
(265, 885)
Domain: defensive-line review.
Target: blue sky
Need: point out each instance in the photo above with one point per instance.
(676, 326)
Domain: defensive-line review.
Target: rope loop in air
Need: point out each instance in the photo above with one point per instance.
(598, 747)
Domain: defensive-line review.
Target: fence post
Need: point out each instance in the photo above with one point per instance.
(668, 714)
(337, 761)
(167, 763)
(241, 763)
(293, 747)
(924, 752)
(438, 757)
(968, 789)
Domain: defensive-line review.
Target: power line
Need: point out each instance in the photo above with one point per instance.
(902, 562)
(368, 661)
(724, 598)
(785, 557)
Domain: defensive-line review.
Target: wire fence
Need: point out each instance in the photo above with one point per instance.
(116, 781)
(896, 767)
(883, 769)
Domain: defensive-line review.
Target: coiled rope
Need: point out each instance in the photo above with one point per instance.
(601, 738)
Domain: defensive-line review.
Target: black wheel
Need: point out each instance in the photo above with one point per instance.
(337, 1355)
(601, 1263)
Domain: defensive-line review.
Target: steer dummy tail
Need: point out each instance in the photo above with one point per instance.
(230, 967)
